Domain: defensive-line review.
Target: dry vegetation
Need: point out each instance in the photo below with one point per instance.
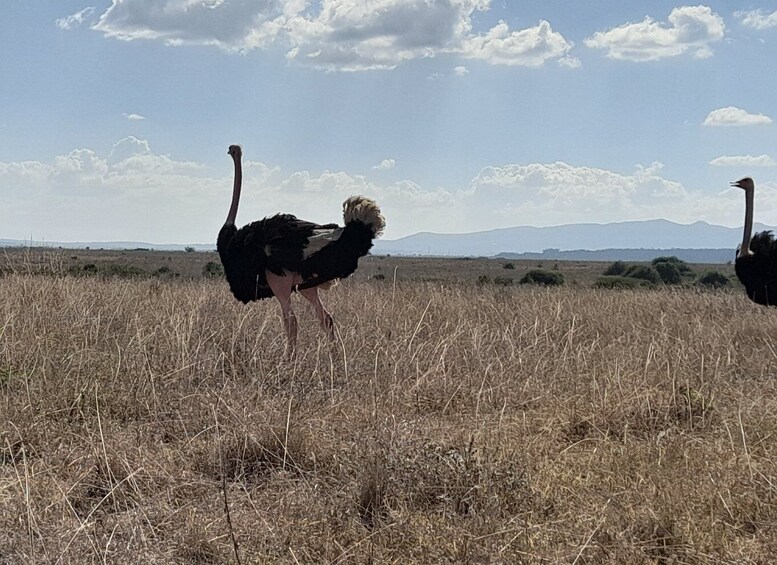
(152, 420)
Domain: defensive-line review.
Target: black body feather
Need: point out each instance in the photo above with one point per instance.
(338, 259)
(277, 244)
(758, 270)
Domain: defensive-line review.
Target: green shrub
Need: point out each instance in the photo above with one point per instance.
(539, 276)
(682, 267)
(616, 269)
(508, 266)
(668, 272)
(503, 281)
(213, 269)
(714, 279)
(644, 273)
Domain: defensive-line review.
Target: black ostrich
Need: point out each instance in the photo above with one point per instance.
(281, 254)
(756, 261)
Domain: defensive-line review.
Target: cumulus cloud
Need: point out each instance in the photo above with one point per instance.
(134, 117)
(130, 192)
(530, 47)
(743, 161)
(559, 193)
(353, 35)
(460, 71)
(75, 20)
(385, 165)
(757, 19)
(237, 25)
(337, 35)
(733, 116)
(689, 29)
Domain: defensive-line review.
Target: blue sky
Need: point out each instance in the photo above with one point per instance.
(455, 115)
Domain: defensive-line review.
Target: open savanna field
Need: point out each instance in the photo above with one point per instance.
(153, 419)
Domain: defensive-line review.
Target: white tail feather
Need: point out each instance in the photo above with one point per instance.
(365, 210)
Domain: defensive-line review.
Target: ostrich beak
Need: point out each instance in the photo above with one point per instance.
(737, 183)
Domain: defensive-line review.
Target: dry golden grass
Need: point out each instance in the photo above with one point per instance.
(449, 423)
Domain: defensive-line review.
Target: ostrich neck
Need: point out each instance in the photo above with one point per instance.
(744, 249)
(235, 192)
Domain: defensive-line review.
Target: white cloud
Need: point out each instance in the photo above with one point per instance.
(460, 71)
(570, 62)
(132, 193)
(558, 193)
(385, 165)
(337, 35)
(237, 25)
(135, 194)
(75, 20)
(689, 29)
(743, 161)
(353, 35)
(733, 116)
(134, 117)
(531, 47)
(757, 19)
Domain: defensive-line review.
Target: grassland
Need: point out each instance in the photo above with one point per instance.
(153, 420)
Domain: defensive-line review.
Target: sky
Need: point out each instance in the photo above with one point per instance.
(454, 115)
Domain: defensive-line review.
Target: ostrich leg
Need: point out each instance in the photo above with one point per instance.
(324, 317)
(282, 288)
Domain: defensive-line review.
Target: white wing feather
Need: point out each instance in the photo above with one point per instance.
(320, 239)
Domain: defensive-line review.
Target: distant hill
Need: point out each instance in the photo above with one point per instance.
(717, 256)
(655, 237)
(699, 242)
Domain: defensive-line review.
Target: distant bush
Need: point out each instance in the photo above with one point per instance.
(539, 276)
(212, 269)
(668, 272)
(644, 273)
(189, 249)
(509, 266)
(671, 269)
(616, 269)
(682, 265)
(484, 279)
(714, 279)
(503, 281)
(379, 277)
(615, 282)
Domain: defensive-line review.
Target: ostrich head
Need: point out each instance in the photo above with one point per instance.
(235, 151)
(745, 183)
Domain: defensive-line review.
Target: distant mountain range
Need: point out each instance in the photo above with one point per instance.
(634, 241)
(699, 242)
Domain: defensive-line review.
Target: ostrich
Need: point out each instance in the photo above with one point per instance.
(756, 260)
(281, 254)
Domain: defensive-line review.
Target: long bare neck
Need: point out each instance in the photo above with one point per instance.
(235, 191)
(744, 249)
